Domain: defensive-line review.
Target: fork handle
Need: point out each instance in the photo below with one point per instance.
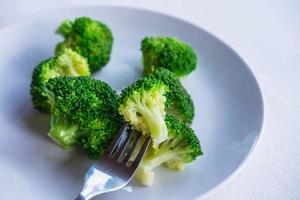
(80, 197)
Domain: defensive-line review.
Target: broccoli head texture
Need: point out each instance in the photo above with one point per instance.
(65, 28)
(90, 38)
(169, 53)
(179, 103)
(182, 147)
(143, 106)
(68, 63)
(85, 112)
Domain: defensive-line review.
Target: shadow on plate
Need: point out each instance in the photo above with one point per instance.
(71, 164)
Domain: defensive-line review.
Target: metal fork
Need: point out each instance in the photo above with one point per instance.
(114, 169)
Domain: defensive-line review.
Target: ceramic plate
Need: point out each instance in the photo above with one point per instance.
(229, 107)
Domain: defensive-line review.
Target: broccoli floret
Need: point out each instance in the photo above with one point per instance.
(169, 53)
(68, 63)
(182, 147)
(85, 112)
(143, 106)
(65, 28)
(179, 103)
(90, 38)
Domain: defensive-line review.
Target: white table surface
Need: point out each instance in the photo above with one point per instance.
(267, 35)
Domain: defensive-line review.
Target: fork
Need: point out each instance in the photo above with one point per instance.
(116, 167)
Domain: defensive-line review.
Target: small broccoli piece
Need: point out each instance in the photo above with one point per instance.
(68, 63)
(182, 147)
(179, 103)
(65, 28)
(143, 106)
(85, 112)
(169, 53)
(90, 38)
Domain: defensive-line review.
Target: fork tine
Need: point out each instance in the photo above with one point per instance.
(140, 156)
(130, 151)
(122, 148)
(116, 140)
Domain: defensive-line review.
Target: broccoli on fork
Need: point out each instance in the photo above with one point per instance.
(68, 63)
(179, 103)
(90, 38)
(85, 112)
(182, 147)
(145, 103)
(143, 106)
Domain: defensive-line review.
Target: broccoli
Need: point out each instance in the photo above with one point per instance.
(169, 53)
(68, 63)
(143, 105)
(90, 38)
(179, 103)
(182, 147)
(85, 112)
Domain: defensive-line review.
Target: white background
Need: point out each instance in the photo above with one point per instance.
(266, 34)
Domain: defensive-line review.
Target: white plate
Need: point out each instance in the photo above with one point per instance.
(229, 108)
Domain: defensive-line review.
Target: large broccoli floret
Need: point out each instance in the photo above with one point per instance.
(90, 38)
(182, 147)
(179, 103)
(169, 53)
(143, 106)
(85, 112)
(68, 63)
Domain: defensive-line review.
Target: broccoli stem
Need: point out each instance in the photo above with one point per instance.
(63, 132)
(145, 173)
(154, 118)
(165, 153)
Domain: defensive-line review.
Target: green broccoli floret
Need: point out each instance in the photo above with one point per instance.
(145, 103)
(143, 106)
(169, 53)
(179, 103)
(65, 28)
(90, 38)
(85, 112)
(68, 63)
(182, 147)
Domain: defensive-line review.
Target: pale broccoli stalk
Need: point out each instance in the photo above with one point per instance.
(63, 133)
(182, 147)
(143, 106)
(179, 103)
(145, 172)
